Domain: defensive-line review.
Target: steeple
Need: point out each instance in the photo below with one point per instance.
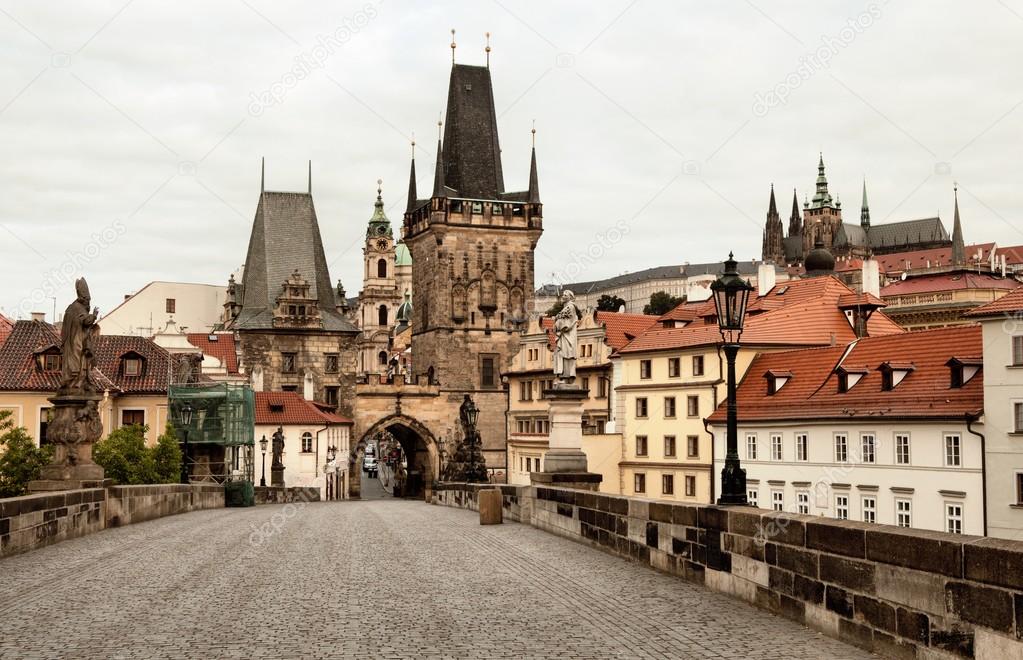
(795, 218)
(534, 184)
(773, 248)
(864, 208)
(379, 224)
(821, 198)
(772, 208)
(412, 181)
(472, 160)
(958, 247)
(438, 172)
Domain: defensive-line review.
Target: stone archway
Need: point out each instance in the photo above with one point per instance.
(421, 451)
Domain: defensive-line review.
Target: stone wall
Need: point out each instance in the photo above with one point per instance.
(126, 505)
(902, 593)
(278, 495)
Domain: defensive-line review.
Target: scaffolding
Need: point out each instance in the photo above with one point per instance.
(221, 433)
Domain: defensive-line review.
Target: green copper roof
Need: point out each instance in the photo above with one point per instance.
(379, 219)
(402, 257)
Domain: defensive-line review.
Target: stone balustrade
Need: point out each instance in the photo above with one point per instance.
(902, 593)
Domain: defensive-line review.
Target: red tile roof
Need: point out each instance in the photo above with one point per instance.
(797, 313)
(1013, 254)
(219, 345)
(284, 408)
(947, 282)
(900, 261)
(620, 329)
(6, 325)
(1009, 304)
(812, 391)
(19, 370)
(689, 311)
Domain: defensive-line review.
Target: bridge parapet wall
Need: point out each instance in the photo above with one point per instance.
(903, 593)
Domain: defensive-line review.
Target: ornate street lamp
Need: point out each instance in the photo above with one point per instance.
(472, 413)
(731, 294)
(185, 418)
(262, 447)
(331, 475)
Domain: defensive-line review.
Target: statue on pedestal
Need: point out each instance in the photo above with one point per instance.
(566, 332)
(77, 333)
(277, 465)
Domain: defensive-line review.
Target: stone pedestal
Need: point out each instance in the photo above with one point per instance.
(277, 477)
(72, 431)
(490, 502)
(564, 465)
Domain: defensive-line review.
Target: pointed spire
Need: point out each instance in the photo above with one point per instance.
(534, 181)
(310, 190)
(453, 46)
(958, 246)
(487, 49)
(412, 180)
(795, 219)
(864, 208)
(772, 208)
(438, 173)
(262, 175)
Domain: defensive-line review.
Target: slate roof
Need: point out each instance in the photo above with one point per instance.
(1008, 305)
(288, 408)
(19, 370)
(285, 237)
(947, 282)
(472, 154)
(812, 390)
(220, 345)
(679, 271)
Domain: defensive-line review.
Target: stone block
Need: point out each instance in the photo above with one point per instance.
(780, 580)
(651, 535)
(915, 589)
(744, 522)
(990, 646)
(750, 569)
(822, 619)
(923, 550)
(995, 561)
(742, 545)
(803, 562)
(715, 518)
(856, 634)
(491, 511)
(840, 537)
(913, 625)
(639, 508)
(809, 590)
(874, 612)
(781, 527)
(660, 512)
(848, 573)
(984, 606)
(839, 601)
(685, 514)
(888, 646)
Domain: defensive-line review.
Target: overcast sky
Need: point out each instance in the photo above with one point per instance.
(131, 132)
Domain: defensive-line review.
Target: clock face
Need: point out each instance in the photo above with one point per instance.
(381, 230)
(381, 244)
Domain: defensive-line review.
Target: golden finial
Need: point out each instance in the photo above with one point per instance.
(488, 49)
(380, 189)
(453, 46)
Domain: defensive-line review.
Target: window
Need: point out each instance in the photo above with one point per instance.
(51, 362)
(669, 406)
(330, 363)
(641, 406)
(693, 446)
(289, 388)
(307, 442)
(477, 208)
(841, 448)
(802, 501)
(690, 486)
(887, 382)
(641, 445)
(382, 315)
(868, 445)
(776, 447)
(674, 367)
(842, 507)
(903, 513)
(801, 447)
(778, 500)
(288, 363)
(45, 417)
(902, 449)
(170, 305)
(584, 384)
(381, 267)
(644, 369)
(382, 358)
(669, 446)
(331, 395)
(753, 496)
(488, 371)
(1017, 416)
(693, 405)
(133, 417)
(601, 387)
(697, 365)
(953, 518)
(751, 446)
(132, 366)
(869, 505)
(953, 451)
(1017, 351)
(1019, 488)
(586, 350)
(525, 390)
(667, 484)
(639, 483)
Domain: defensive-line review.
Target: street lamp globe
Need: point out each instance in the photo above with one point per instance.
(263, 443)
(731, 295)
(472, 413)
(331, 453)
(185, 414)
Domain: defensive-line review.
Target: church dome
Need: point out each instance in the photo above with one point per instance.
(819, 261)
(402, 256)
(404, 313)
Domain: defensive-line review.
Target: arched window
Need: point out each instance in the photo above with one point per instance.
(382, 358)
(382, 268)
(382, 315)
(307, 442)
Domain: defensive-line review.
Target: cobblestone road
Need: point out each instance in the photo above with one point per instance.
(385, 578)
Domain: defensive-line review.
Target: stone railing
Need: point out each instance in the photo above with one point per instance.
(282, 495)
(126, 505)
(899, 592)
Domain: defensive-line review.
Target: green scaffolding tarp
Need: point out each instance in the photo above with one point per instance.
(222, 413)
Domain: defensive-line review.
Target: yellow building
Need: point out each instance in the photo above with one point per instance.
(133, 373)
(600, 334)
(672, 377)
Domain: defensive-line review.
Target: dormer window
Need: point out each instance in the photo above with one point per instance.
(132, 366)
(961, 370)
(277, 407)
(776, 380)
(849, 376)
(892, 373)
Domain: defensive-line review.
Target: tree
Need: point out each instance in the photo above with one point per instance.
(20, 459)
(167, 457)
(125, 457)
(556, 307)
(609, 303)
(661, 302)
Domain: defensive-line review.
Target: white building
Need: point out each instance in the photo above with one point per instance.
(193, 307)
(308, 432)
(885, 429)
(1002, 323)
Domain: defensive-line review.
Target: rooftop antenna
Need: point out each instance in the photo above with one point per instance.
(487, 49)
(453, 46)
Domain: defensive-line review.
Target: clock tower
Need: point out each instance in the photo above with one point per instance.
(380, 297)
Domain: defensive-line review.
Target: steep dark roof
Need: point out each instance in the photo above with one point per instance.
(285, 238)
(472, 155)
(908, 232)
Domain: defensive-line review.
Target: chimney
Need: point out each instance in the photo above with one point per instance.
(39, 316)
(765, 278)
(307, 387)
(870, 278)
(1003, 265)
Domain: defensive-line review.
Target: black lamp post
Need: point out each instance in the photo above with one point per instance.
(731, 293)
(331, 476)
(262, 448)
(185, 417)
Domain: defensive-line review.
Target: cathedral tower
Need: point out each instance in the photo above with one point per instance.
(822, 216)
(380, 295)
(773, 250)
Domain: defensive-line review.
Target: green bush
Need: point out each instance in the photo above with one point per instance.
(128, 461)
(167, 456)
(20, 459)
